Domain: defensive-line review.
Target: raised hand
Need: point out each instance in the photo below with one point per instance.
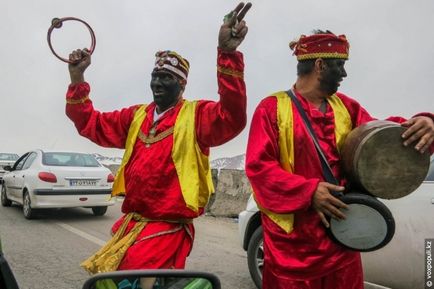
(80, 61)
(234, 29)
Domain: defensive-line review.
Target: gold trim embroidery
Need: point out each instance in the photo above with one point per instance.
(77, 101)
(150, 139)
(174, 230)
(160, 234)
(231, 72)
(322, 55)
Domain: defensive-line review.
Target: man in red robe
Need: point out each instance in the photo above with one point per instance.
(293, 195)
(165, 174)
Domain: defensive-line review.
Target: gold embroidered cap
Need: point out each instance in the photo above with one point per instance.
(324, 45)
(172, 62)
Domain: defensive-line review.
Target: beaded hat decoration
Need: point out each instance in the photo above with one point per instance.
(327, 45)
(172, 62)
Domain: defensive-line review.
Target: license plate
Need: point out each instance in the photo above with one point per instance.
(77, 183)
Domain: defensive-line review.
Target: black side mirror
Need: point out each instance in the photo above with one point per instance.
(153, 279)
(7, 168)
(7, 278)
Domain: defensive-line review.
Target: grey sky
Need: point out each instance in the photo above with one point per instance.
(390, 71)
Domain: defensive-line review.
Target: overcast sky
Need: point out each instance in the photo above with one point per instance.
(390, 71)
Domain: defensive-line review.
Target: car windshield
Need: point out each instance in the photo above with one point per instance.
(8, 157)
(69, 159)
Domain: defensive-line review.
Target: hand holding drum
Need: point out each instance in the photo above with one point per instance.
(420, 129)
(379, 164)
(327, 204)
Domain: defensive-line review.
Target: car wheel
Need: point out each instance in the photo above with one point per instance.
(99, 211)
(28, 211)
(5, 201)
(255, 256)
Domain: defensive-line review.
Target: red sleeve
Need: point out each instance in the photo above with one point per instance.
(219, 122)
(427, 114)
(275, 189)
(108, 129)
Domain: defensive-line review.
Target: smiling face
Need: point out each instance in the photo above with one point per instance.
(166, 89)
(332, 74)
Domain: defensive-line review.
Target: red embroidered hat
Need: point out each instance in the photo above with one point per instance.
(172, 62)
(324, 45)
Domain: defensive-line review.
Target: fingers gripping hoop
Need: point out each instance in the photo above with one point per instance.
(57, 23)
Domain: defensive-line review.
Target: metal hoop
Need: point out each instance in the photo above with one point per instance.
(57, 23)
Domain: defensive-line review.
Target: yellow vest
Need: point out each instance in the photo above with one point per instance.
(192, 166)
(343, 126)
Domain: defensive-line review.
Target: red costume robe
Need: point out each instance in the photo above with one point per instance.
(306, 253)
(151, 181)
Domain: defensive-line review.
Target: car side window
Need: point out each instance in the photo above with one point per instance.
(20, 163)
(28, 162)
(430, 176)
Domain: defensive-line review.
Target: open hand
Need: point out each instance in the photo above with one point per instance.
(234, 29)
(420, 129)
(326, 204)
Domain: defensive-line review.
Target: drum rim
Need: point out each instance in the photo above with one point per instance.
(355, 198)
(352, 151)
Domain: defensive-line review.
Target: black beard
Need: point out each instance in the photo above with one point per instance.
(328, 86)
(329, 81)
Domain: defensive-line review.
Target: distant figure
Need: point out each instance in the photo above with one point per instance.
(284, 169)
(165, 173)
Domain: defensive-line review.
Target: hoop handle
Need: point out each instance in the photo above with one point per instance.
(57, 23)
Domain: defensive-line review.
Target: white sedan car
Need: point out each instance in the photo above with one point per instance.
(51, 179)
(402, 264)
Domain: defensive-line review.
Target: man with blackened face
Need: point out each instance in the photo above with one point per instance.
(332, 73)
(168, 79)
(165, 173)
(288, 178)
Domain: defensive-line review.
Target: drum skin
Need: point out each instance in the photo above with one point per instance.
(376, 161)
(369, 224)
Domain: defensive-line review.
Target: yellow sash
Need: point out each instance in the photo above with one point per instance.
(192, 166)
(119, 183)
(343, 126)
(109, 257)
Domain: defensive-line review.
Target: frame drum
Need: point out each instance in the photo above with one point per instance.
(369, 224)
(376, 161)
(57, 23)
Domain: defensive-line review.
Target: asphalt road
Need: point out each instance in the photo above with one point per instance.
(46, 252)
